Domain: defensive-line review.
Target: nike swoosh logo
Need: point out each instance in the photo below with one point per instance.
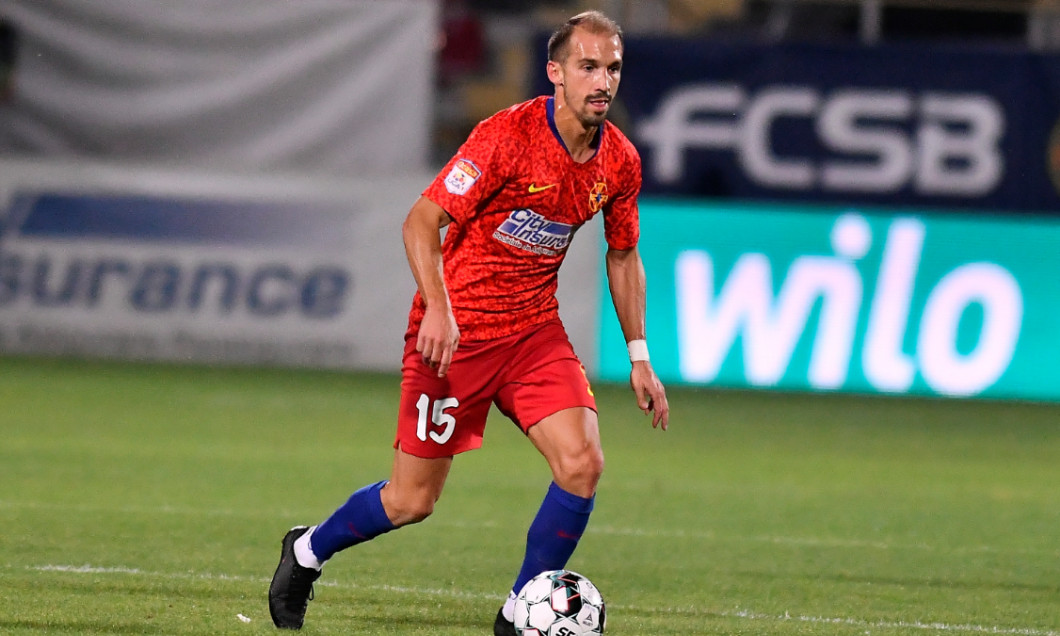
(535, 189)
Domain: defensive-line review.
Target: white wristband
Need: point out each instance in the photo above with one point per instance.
(638, 350)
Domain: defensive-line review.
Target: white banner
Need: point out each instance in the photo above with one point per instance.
(339, 86)
(106, 260)
(109, 261)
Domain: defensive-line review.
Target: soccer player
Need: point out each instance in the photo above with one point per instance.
(484, 326)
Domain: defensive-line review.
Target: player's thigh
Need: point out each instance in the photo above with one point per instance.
(569, 440)
(572, 431)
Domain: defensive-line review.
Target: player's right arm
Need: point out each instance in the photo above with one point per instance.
(438, 334)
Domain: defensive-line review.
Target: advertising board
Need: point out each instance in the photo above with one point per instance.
(204, 268)
(911, 124)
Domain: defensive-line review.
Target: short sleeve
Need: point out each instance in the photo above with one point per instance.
(475, 172)
(622, 217)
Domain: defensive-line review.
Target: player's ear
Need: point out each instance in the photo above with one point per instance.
(555, 72)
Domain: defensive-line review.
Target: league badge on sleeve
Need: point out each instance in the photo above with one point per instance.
(463, 175)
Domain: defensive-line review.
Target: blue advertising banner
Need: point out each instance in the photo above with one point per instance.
(895, 124)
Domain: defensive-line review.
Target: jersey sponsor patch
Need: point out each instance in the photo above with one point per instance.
(532, 232)
(463, 175)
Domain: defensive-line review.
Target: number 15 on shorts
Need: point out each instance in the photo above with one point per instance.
(442, 423)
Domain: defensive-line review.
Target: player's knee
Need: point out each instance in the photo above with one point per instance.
(579, 472)
(406, 508)
(412, 511)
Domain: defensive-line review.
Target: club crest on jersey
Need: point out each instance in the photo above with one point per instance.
(598, 196)
(463, 175)
(532, 232)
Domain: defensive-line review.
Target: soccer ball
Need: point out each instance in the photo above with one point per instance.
(559, 603)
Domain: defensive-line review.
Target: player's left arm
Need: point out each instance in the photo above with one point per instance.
(625, 277)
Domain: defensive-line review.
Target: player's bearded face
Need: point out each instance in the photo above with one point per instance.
(591, 74)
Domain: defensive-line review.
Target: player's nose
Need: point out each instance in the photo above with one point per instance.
(603, 82)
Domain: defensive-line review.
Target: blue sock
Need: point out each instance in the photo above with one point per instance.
(360, 519)
(554, 534)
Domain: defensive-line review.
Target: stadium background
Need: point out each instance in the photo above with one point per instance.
(850, 210)
(190, 184)
(126, 130)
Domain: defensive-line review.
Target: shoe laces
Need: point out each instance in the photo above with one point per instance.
(302, 579)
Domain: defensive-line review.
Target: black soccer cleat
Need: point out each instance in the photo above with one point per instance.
(502, 626)
(292, 585)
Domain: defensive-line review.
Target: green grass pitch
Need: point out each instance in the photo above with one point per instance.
(150, 499)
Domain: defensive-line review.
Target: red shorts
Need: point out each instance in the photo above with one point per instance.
(529, 376)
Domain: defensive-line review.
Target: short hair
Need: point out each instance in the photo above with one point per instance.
(593, 21)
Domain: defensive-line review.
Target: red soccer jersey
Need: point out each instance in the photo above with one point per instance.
(516, 198)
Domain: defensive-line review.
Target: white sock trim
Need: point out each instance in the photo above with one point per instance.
(509, 607)
(303, 552)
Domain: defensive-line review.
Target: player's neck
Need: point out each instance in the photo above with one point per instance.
(581, 143)
(579, 140)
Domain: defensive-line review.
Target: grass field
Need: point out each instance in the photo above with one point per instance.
(151, 499)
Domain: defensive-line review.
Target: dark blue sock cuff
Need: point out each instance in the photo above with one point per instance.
(570, 501)
(375, 507)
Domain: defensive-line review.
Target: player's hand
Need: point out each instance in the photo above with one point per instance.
(438, 338)
(651, 396)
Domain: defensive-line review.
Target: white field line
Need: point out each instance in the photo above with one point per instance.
(945, 628)
(646, 533)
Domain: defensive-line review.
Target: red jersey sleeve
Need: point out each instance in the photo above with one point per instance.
(475, 173)
(621, 217)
